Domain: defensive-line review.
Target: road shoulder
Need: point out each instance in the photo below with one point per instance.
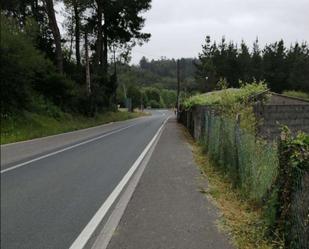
(167, 210)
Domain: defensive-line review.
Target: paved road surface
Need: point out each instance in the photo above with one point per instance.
(48, 202)
(167, 210)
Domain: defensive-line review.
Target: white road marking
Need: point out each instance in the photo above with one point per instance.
(83, 238)
(69, 132)
(65, 149)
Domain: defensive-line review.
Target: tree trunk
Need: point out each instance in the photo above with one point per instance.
(77, 31)
(56, 33)
(105, 41)
(88, 86)
(99, 35)
(105, 50)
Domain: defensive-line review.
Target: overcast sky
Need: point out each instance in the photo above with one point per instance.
(178, 27)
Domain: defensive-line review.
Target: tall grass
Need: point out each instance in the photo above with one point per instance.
(29, 125)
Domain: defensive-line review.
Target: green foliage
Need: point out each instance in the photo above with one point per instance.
(31, 45)
(292, 186)
(226, 97)
(297, 94)
(160, 74)
(26, 72)
(135, 94)
(148, 96)
(283, 68)
(273, 178)
(168, 97)
(249, 162)
(50, 120)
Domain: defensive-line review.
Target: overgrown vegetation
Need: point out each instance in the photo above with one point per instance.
(227, 97)
(240, 218)
(231, 101)
(29, 125)
(292, 185)
(274, 188)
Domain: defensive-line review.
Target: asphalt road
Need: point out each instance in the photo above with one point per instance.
(47, 203)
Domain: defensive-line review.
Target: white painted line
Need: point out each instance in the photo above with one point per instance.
(65, 149)
(82, 240)
(70, 132)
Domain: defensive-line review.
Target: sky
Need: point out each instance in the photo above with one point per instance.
(178, 27)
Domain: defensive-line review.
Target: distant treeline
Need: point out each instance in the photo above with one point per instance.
(153, 83)
(160, 73)
(283, 68)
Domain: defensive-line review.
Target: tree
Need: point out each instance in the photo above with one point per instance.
(78, 8)
(275, 67)
(282, 68)
(256, 70)
(56, 33)
(298, 64)
(244, 60)
(143, 63)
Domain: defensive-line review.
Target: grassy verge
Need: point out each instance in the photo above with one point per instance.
(240, 218)
(297, 94)
(32, 125)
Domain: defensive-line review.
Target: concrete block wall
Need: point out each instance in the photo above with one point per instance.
(272, 117)
(279, 110)
(279, 99)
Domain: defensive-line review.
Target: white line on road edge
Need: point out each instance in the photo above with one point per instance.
(65, 149)
(70, 132)
(82, 240)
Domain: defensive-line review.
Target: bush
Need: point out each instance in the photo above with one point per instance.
(19, 61)
(274, 178)
(56, 87)
(226, 97)
(26, 72)
(154, 104)
(293, 189)
(168, 97)
(135, 94)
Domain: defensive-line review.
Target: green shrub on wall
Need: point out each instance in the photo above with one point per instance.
(293, 189)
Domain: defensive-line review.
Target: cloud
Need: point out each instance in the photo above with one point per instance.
(179, 27)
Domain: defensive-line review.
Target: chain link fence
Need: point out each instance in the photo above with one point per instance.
(253, 166)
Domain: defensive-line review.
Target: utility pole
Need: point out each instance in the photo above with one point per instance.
(178, 87)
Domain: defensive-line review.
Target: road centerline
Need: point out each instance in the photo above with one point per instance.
(66, 149)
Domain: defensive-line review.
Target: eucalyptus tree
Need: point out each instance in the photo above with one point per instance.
(49, 4)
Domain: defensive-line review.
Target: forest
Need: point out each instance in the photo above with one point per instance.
(45, 69)
(86, 69)
(282, 67)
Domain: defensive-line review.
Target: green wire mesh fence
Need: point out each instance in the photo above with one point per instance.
(253, 165)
